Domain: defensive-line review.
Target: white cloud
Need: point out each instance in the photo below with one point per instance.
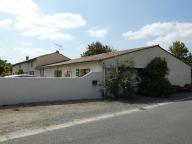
(57, 36)
(38, 31)
(163, 33)
(65, 20)
(19, 7)
(32, 23)
(48, 27)
(6, 23)
(59, 20)
(154, 29)
(97, 32)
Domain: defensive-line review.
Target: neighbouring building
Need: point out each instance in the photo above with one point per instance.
(34, 66)
(179, 72)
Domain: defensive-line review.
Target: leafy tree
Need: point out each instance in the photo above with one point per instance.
(96, 48)
(5, 68)
(189, 59)
(153, 78)
(179, 50)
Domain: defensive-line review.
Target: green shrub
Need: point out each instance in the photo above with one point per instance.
(111, 85)
(153, 79)
(20, 71)
(157, 87)
(182, 89)
(120, 83)
(128, 81)
(188, 87)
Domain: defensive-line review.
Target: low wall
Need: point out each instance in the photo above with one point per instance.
(27, 90)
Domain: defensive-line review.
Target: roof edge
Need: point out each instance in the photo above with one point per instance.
(174, 56)
(136, 49)
(38, 57)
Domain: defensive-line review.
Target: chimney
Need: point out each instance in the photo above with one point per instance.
(27, 57)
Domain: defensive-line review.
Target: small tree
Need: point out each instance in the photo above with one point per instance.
(5, 68)
(179, 50)
(188, 60)
(153, 78)
(96, 48)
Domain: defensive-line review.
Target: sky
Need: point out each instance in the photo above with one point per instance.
(36, 27)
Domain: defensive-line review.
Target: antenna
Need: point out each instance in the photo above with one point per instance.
(59, 46)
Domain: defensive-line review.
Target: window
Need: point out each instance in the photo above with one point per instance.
(77, 72)
(31, 63)
(31, 72)
(82, 72)
(41, 72)
(58, 73)
(87, 71)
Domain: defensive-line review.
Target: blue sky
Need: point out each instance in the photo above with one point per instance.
(32, 27)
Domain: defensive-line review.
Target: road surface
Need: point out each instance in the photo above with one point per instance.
(168, 124)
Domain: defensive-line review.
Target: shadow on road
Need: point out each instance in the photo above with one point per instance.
(149, 100)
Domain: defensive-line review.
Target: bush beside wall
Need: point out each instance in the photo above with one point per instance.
(120, 83)
(153, 79)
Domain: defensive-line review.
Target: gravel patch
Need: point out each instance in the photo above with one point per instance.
(33, 116)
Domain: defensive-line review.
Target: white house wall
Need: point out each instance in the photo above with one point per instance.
(49, 72)
(39, 61)
(15, 69)
(26, 67)
(93, 66)
(179, 73)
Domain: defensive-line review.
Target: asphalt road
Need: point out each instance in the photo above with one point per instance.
(168, 124)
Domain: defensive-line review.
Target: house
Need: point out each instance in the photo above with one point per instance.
(179, 72)
(34, 66)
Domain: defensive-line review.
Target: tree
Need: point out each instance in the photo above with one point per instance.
(153, 78)
(96, 48)
(179, 50)
(5, 68)
(189, 59)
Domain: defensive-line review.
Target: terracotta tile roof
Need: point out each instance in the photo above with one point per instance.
(102, 56)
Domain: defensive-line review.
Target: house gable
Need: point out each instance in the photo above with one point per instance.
(179, 72)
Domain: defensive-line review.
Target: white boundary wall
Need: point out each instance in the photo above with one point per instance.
(27, 90)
